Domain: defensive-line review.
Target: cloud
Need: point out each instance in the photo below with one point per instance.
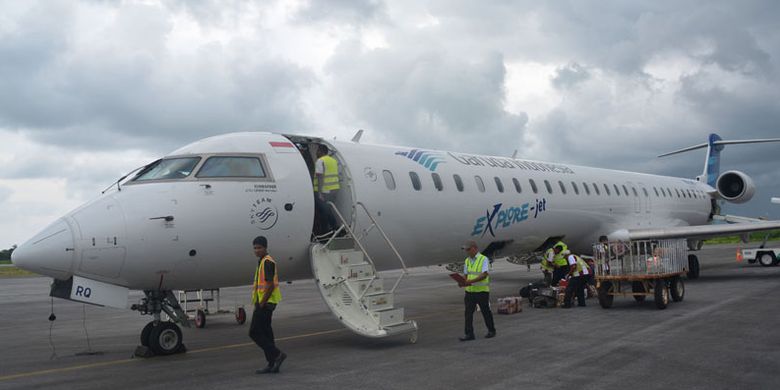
(431, 97)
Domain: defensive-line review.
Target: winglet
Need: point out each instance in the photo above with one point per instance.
(514, 155)
(356, 137)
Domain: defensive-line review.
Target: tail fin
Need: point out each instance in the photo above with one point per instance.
(712, 164)
(714, 146)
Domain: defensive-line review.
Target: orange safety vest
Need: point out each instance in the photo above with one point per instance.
(261, 285)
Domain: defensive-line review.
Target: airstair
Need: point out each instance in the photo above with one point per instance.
(349, 284)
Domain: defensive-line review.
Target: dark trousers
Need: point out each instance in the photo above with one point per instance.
(575, 286)
(482, 299)
(558, 274)
(326, 214)
(261, 333)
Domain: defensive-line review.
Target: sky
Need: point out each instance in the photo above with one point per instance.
(90, 90)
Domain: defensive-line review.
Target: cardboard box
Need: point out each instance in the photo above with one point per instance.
(510, 305)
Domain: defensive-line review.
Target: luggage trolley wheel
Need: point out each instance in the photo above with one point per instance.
(605, 299)
(677, 289)
(413, 338)
(661, 294)
(200, 319)
(240, 316)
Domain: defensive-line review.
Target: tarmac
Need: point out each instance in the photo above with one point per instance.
(724, 335)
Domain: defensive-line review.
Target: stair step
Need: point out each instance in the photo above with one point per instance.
(377, 287)
(345, 257)
(359, 271)
(378, 302)
(389, 317)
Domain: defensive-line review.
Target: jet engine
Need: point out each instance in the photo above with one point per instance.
(735, 186)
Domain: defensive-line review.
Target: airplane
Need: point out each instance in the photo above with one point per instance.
(186, 221)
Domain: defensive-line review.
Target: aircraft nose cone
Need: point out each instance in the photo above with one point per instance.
(50, 252)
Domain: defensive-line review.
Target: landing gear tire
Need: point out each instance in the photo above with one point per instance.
(677, 289)
(165, 339)
(200, 319)
(638, 287)
(661, 294)
(605, 299)
(145, 333)
(413, 338)
(240, 316)
(767, 259)
(693, 267)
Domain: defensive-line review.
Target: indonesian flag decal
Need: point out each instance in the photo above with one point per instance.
(283, 147)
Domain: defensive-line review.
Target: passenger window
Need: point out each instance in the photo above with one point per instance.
(633, 189)
(415, 181)
(389, 180)
(517, 185)
(549, 187)
(606, 189)
(437, 181)
(458, 182)
(625, 190)
(656, 192)
(533, 186)
(689, 193)
(677, 192)
(219, 166)
(644, 190)
(617, 190)
(669, 191)
(499, 184)
(480, 183)
(596, 189)
(168, 169)
(563, 188)
(576, 190)
(585, 185)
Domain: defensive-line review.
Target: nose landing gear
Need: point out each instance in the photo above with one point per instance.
(161, 337)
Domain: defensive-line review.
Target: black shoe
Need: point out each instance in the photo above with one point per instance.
(265, 370)
(278, 362)
(466, 338)
(490, 335)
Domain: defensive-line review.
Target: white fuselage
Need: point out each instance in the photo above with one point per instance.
(123, 237)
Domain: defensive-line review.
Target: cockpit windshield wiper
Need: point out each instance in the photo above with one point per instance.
(117, 183)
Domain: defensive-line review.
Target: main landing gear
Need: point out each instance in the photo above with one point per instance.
(161, 337)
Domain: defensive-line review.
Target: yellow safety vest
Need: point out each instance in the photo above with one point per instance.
(560, 259)
(581, 264)
(473, 270)
(330, 178)
(261, 285)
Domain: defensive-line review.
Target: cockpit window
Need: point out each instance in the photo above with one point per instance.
(228, 166)
(169, 169)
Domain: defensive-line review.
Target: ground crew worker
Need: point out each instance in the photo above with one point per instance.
(547, 266)
(326, 186)
(558, 259)
(265, 297)
(578, 271)
(477, 285)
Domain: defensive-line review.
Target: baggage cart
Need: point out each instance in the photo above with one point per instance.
(641, 269)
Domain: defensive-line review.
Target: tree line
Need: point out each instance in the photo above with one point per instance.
(5, 254)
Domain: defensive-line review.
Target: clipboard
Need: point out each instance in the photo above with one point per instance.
(458, 278)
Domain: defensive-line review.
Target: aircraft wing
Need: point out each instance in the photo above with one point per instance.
(700, 232)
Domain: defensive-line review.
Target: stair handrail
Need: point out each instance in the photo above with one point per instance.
(357, 240)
